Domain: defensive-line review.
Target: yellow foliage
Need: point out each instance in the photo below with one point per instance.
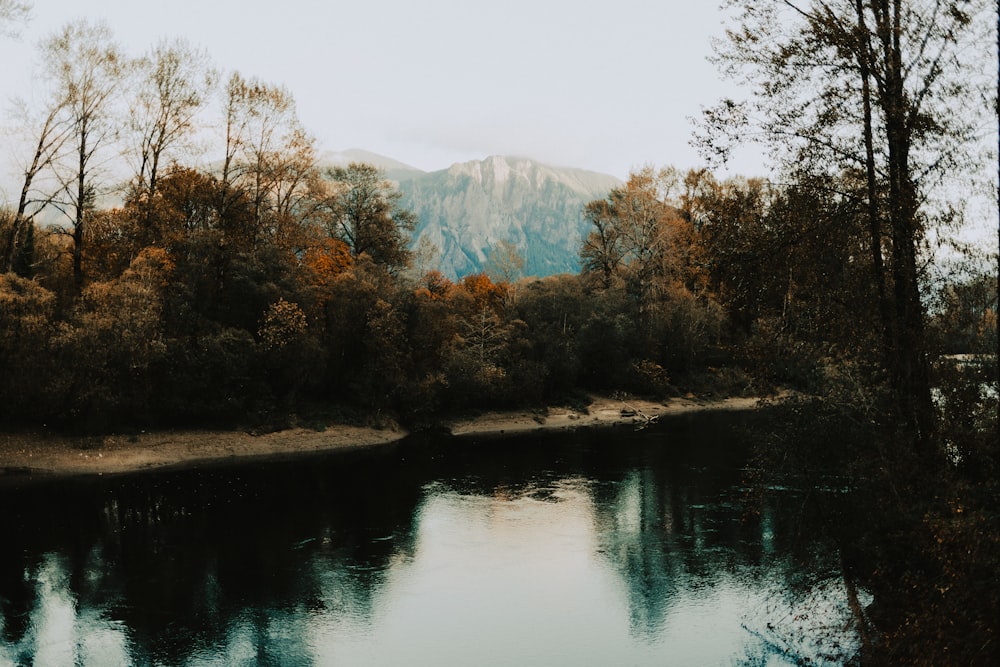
(153, 268)
(282, 324)
(25, 306)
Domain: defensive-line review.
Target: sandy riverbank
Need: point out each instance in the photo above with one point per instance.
(47, 454)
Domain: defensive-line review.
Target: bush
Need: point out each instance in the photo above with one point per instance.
(649, 378)
(27, 312)
(777, 358)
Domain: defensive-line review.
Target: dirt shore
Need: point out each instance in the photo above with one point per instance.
(44, 454)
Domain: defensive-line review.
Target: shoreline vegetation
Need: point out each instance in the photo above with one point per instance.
(41, 455)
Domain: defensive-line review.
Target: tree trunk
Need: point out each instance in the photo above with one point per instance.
(874, 219)
(81, 205)
(909, 368)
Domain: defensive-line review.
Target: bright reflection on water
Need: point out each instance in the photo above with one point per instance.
(582, 549)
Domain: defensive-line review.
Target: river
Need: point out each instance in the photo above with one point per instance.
(600, 547)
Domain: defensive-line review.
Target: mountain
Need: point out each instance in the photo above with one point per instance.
(467, 209)
(394, 169)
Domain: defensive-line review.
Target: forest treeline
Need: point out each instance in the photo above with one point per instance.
(210, 303)
(179, 256)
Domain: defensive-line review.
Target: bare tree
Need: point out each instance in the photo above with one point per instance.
(174, 82)
(601, 254)
(51, 134)
(269, 157)
(84, 63)
(505, 266)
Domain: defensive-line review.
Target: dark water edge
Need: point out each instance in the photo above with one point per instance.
(577, 548)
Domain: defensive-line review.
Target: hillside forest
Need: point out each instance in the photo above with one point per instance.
(178, 256)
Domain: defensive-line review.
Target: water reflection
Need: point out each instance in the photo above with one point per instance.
(588, 548)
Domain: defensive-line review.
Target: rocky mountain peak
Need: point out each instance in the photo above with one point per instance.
(468, 208)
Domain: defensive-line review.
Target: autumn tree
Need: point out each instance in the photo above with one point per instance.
(27, 321)
(112, 341)
(639, 239)
(173, 82)
(885, 88)
(110, 243)
(269, 158)
(364, 211)
(49, 127)
(290, 353)
(84, 63)
(557, 310)
(891, 95)
(434, 286)
(185, 203)
(474, 364)
(646, 246)
(601, 254)
(505, 265)
(629, 236)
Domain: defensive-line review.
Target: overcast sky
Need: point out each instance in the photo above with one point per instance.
(599, 84)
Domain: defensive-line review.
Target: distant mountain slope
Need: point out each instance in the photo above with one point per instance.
(467, 209)
(394, 169)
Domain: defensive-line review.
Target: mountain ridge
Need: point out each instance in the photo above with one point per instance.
(394, 169)
(469, 207)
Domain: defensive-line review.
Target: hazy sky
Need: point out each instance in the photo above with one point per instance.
(600, 84)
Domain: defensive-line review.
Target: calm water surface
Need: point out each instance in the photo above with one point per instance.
(593, 548)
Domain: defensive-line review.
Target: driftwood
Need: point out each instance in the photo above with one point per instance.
(632, 411)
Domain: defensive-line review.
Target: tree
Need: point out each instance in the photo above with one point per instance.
(965, 317)
(12, 252)
(185, 203)
(112, 341)
(504, 264)
(640, 239)
(52, 134)
(174, 80)
(290, 353)
(881, 87)
(364, 212)
(84, 63)
(601, 254)
(269, 157)
(889, 95)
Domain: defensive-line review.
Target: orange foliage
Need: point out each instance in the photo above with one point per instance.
(483, 290)
(153, 267)
(326, 259)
